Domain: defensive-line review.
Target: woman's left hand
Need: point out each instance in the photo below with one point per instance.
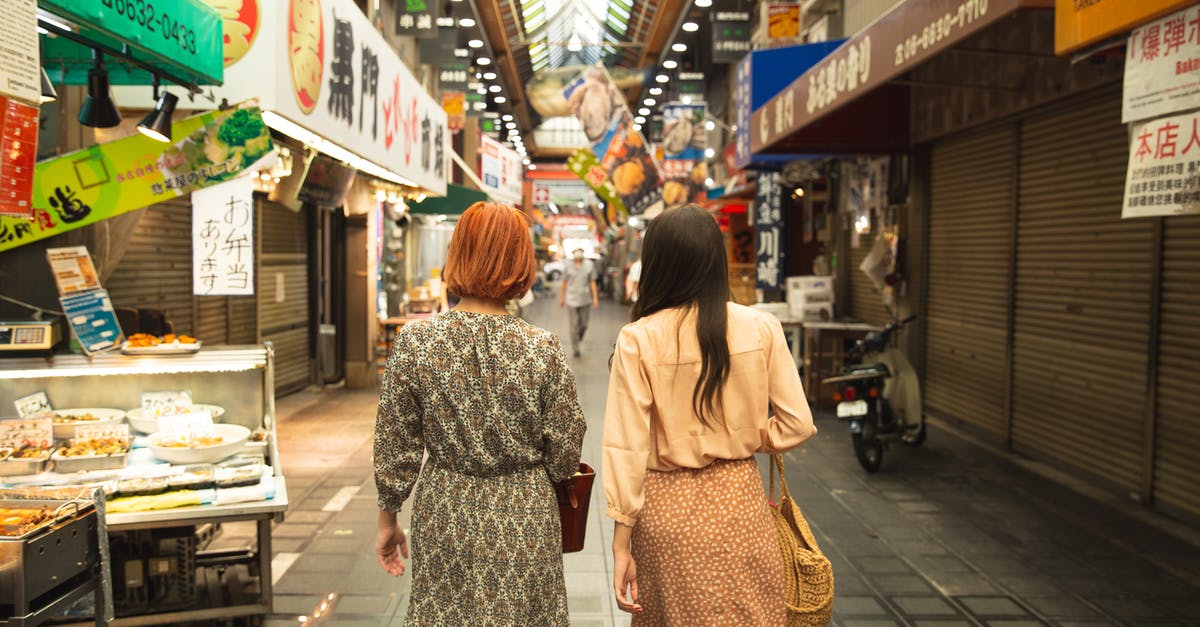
(390, 545)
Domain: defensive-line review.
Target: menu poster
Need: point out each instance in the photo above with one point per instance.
(184, 427)
(20, 56)
(27, 433)
(34, 405)
(167, 403)
(73, 269)
(93, 320)
(103, 432)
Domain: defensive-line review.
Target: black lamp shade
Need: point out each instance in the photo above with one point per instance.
(48, 92)
(157, 124)
(98, 109)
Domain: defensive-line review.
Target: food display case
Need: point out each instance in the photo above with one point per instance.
(165, 498)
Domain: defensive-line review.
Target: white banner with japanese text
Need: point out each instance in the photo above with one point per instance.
(500, 170)
(1162, 67)
(768, 233)
(1163, 178)
(223, 239)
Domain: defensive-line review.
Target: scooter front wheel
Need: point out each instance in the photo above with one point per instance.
(868, 451)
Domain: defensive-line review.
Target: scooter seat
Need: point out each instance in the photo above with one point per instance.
(879, 368)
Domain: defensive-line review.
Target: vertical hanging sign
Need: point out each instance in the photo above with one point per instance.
(768, 233)
(20, 91)
(413, 18)
(223, 239)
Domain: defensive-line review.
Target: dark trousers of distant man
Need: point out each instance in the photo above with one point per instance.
(578, 319)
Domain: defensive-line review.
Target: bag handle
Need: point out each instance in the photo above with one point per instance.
(801, 523)
(777, 470)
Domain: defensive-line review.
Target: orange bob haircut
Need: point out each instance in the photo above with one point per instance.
(491, 254)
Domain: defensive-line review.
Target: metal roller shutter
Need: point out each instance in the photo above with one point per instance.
(1177, 466)
(1083, 287)
(866, 303)
(966, 309)
(156, 270)
(285, 322)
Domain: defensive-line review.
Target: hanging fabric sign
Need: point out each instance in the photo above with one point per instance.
(500, 169)
(106, 180)
(223, 239)
(768, 233)
(583, 164)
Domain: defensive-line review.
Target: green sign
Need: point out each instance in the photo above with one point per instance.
(583, 164)
(97, 183)
(185, 37)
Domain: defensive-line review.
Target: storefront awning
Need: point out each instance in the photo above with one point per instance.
(855, 100)
(456, 201)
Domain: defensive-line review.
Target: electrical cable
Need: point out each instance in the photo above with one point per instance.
(38, 311)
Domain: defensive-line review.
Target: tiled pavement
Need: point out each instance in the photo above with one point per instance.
(948, 534)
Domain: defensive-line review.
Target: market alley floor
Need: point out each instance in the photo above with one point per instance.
(949, 534)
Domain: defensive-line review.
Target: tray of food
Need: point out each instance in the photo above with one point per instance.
(169, 344)
(23, 518)
(91, 454)
(24, 461)
(239, 471)
(222, 442)
(147, 424)
(141, 486)
(65, 420)
(192, 477)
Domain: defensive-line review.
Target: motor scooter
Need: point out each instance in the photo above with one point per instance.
(879, 396)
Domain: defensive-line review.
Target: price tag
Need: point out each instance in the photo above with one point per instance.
(185, 427)
(103, 432)
(166, 403)
(32, 432)
(35, 405)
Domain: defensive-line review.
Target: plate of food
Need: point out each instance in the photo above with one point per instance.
(223, 441)
(65, 420)
(169, 344)
(149, 424)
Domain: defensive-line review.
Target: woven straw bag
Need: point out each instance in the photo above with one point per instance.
(809, 573)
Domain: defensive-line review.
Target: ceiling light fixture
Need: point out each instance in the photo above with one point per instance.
(495, 89)
(662, 78)
(656, 91)
(511, 125)
(710, 153)
(98, 109)
(489, 76)
(157, 124)
(691, 27)
(574, 44)
(644, 111)
(48, 92)
(501, 99)
(475, 43)
(640, 120)
(637, 127)
(466, 22)
(679, 47)
(686, 100)
(649, 102)
(507, 117)
(533, 166)
(482, 91)
(703, 4)
(710, 125)
(483, 61)
(670, 64)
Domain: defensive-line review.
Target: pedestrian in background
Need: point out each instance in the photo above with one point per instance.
(492, 400)
(632, 279)
(694, 381)
(578, 293)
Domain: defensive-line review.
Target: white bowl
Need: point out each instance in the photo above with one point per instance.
(107, 416)
(233, 439)
(148, 425)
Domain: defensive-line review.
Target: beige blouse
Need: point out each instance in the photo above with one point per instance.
(649, 422)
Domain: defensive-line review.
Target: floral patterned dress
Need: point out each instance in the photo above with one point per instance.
(492, 399)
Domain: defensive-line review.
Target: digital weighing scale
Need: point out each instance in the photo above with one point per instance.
(29, 335)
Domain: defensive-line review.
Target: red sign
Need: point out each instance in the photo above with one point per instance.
(18, 151)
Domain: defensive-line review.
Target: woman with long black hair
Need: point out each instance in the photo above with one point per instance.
(694, 381)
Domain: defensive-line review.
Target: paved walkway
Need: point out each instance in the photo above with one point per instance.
(948, 534)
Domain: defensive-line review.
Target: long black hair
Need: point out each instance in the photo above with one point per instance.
(683, 265)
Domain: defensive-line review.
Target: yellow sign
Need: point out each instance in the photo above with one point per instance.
(1078, 23)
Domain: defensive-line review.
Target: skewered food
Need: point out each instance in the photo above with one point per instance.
(16, 522)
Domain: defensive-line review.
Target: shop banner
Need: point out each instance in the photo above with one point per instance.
(20, 56)
(684, 181)
(742, 111)
(415, 19)
(691, 84)
(99, 182)
(783, 22)
(242, 22)
(453, 76)
(584, 165)
(183, 33)
(730, 36)
(455, 105)
(1162, 67)
(1078, 23)
(500, 170)
(223, 239)
(1163, 178)
(321, 65)
(768, 233)
(684, 134)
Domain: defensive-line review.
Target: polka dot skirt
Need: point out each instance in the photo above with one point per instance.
(706, 549)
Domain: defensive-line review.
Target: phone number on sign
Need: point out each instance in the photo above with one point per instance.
(940, 29)
(148, 17)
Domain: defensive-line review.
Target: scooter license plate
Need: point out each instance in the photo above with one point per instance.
(851, 408)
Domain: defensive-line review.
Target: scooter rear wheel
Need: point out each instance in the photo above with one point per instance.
(915, 438)
(869, 452)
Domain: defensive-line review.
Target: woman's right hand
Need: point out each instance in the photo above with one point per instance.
(391, 544)
(625, 579)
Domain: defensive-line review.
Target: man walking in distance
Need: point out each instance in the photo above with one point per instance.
(578, 291)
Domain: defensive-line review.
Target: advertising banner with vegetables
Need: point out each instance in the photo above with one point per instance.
(99, 182)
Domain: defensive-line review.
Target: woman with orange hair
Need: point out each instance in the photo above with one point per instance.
(492, 400)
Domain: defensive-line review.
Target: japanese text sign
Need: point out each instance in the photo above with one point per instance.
(768, 233)
(18, 143)
(118, 431)
(1162, 67)
(1078, 23)
(20, 56)
(1163, 178)
(500, 169)
(731, 35)
(73, 269)
(33, 405)
(167, 403)
(99, 182)
(585, 165)
(223, 239)
(414, 18)
(33, 433)
(322, 65)
(93, 320)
